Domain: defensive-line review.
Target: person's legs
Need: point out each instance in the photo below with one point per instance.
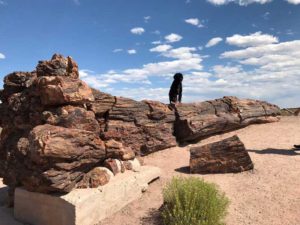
(297, 146)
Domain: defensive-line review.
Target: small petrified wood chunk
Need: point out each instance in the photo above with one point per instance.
(226, 156)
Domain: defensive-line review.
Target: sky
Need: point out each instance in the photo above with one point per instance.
(132, 48)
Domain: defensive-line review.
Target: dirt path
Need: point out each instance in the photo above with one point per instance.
(268, 195)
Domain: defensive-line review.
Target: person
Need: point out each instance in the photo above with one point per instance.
(175, 93)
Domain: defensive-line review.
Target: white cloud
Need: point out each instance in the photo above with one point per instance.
(131, 51)
(247, 2)
(295, 2)
(213, 42)
(194, 21)
(117, 50)
(254, 39)
(147, 18)
(273, 75)
(290, 48)
(183, 59)
(77, 2)
(240, 2)
(173, 37)
(266, 15)
(2, 56)
(157, 32)
(161, 48)
(137, 30)
(156, 42)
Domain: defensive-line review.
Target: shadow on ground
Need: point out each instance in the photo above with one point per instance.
(184, 169)
(3, 195)
(289, 152)
(153, 217)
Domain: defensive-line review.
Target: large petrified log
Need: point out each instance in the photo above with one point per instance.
(200, 120)
(56, 129)
(226, 156)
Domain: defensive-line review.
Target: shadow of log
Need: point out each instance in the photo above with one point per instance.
(288, 152)
(184, 169)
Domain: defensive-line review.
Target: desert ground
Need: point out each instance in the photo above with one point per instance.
(268, 195)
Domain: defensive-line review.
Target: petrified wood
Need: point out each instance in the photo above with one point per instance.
(226, 156)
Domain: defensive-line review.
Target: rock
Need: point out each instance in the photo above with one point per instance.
(226, 156)
(72, 117)
(98, 176)
(131, 123)
(200, 120)
(58, 90)
(116, 150)
(59, 157)
(16, 82)
(58, 66)
(114, 165)
(102, 104)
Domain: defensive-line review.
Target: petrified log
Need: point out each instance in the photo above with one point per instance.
(56, 129)
(59, 157)
(226, 156)
(200, 120)
(140, 125)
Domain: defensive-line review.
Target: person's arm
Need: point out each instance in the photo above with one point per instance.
(180, 93)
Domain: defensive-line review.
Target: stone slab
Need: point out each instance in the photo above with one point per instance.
(83, 206)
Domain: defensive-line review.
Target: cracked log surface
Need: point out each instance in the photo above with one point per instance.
(56, 129)
(226, 156)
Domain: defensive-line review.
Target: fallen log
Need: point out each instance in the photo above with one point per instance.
(226, 156)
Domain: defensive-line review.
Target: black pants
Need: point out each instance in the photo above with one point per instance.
(173, 98)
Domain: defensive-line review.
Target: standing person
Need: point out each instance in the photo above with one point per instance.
(175, 93)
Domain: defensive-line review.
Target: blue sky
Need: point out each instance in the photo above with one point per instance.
(246, 48)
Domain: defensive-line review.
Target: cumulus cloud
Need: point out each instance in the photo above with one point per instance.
(295, 2)
(247, 2)
(213, 42)
(240, 2)
(131, 51)
(161, 48)
(181, 59)
(117, 50)
(173, 38)
(268, 72)
(137, 30)
(2, 56)
(254, 39)
(194, 21)
(156, 42)
(147, 18)
(290, 48)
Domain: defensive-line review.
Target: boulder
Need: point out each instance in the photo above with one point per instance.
(59, 157)
(59, 90)
(58, 66)
(226, 156)
(72, 117)
(98, 176)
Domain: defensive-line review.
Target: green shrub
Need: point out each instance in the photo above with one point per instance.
(191, 201)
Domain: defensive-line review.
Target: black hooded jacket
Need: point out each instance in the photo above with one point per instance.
(175, 93)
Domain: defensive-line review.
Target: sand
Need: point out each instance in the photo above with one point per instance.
(268, 195)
